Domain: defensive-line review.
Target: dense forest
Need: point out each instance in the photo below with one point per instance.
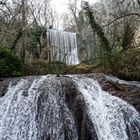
(108, 37)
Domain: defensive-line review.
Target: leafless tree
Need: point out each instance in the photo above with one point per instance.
(18, 17)
(121, 20)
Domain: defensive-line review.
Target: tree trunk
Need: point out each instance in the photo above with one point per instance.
(24, 21)
(138, 2)
(96, 27)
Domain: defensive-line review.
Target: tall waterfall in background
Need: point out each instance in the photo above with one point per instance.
(36, 108)
(63, 46)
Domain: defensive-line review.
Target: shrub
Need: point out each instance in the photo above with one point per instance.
(129, 65)
(10, 65)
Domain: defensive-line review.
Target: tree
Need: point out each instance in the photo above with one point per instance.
(96, 27)
(18, 18)
(120, 20)
(23, 27)
(138, 2)
(35, 46)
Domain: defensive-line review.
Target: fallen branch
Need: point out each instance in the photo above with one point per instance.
(67, 71)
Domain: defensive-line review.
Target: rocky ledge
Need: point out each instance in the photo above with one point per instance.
(128, 91)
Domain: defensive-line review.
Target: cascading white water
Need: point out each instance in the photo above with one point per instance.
(63, 46)
(36, 109)
(113, 118)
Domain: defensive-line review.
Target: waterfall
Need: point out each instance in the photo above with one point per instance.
(63, 46)
(113, 118)
(37, 108)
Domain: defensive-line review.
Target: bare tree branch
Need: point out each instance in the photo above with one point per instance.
(2, 3)
(10, 22)
(138, 2)
(118, 18)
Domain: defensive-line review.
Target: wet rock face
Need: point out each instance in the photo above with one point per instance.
(56, 108)
(73, 99)
(4, 83)
(129, 92)
(76, 104)
(35, 109)
(126, 90)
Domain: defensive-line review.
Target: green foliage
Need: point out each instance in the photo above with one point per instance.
(128, 65)
(34, 43)
(16, 39)
(96, 27)
(10, 65)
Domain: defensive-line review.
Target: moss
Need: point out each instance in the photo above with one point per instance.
(78, 69)
(43, 68)
(129, 65)
(56, 67)
(126, 65)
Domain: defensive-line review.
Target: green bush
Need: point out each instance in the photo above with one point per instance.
(10, 65)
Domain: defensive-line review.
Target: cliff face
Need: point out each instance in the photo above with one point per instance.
(74, 101)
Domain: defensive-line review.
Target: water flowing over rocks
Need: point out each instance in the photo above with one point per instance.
(126, 90)
(69, 108)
